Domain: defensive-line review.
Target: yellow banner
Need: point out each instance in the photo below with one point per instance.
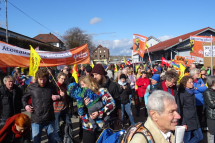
(34, 62)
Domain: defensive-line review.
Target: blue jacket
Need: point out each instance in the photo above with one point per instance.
(199, 91)
(146, 96)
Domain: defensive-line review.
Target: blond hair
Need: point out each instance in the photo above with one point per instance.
(91, 83)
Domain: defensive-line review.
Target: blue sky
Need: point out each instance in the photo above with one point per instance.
(162, 19)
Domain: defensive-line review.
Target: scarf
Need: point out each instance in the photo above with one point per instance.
(11, 125)
(63, 89)
(131, 78)
(191, 91)
(122, 84)
(165, 88)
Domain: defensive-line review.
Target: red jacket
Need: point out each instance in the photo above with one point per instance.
(142, 84)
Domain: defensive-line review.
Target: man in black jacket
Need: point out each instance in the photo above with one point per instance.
(42, 94)
(10, 99)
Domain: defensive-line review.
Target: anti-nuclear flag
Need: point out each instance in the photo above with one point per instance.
(75, 73)
(115, 68)
(34, 62)
(196, 44)
(91, 64)
(181, 72)
(139, 44)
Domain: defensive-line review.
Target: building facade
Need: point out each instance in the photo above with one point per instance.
(178, 46)
(101, 54)
(50, 39)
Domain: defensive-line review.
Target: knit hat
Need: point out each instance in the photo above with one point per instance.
(156, 77)
(122, 76)
(99, 69)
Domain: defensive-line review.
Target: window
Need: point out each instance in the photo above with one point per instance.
(100, 51)
(100, 56)
(104, 50)
(104, 56)
(2, 33)
(41, 38)
(51, 38)
(13, 36)
(96, 56)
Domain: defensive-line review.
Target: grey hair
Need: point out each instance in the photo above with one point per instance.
(193, 71)
(125, 69)
(210, 81)
(6, 78)
(156, 101)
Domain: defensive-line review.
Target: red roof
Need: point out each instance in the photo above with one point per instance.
(168, 43)
(47, 38)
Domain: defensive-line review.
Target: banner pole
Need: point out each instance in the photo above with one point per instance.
(149, 57)
(211, 56)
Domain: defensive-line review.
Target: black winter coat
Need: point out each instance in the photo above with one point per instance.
(209, 98)
(112, 88)
(124, 93)
(10, 103)
(41, 100)
(188, 114)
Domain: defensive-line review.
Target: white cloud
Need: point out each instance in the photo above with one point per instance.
(116, 47)
(56, 32)
(165, 37)
(95, 20)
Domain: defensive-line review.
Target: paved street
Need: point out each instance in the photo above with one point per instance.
(75, 122)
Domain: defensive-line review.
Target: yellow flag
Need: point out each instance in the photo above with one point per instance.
(91, 64)
(147, 46)
(181, 72)
(115, 68)
(34, 62)
(75, 73)
(125, 61)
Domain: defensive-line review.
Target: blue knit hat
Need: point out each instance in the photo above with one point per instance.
(156, 77)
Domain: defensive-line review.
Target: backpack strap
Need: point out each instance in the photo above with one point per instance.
(138, 128)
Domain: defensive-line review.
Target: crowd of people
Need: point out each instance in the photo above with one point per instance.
(104, 92)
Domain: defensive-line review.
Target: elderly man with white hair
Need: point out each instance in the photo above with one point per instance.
(163, 117)
(200, 87)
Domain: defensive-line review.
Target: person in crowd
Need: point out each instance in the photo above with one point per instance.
(117, 74)
(15, 75)
(203, 76)
(61, 107)
(159, 68)
(139, 73)
(16, 129)
(169, 83)
(110, 73)
(23, 85)
(164, 71)
(42, 94)
(192, 66)
(151, 87)
(163, 117)
(189, 117)
(88, 70)
(82, 71)
(100, 75)
(142, 84)
(90, 136)
(199, 87)
(125, 71)
(10, 99)
(170, 66)
(132, 78)
(124, 92)
(209, 98)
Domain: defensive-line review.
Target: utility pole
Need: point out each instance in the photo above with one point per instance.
(6, 21)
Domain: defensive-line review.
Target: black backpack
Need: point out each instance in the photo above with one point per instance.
(66, 131)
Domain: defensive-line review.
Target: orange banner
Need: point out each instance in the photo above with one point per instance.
(196, 44)
(139, 44)
(12, 56)
(184, 60)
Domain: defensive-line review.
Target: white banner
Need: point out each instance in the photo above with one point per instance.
(207, 51)
(201, 39)
(13, 50)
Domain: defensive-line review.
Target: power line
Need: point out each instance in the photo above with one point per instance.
(33, 18)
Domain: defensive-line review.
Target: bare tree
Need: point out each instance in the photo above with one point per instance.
(76, 37)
